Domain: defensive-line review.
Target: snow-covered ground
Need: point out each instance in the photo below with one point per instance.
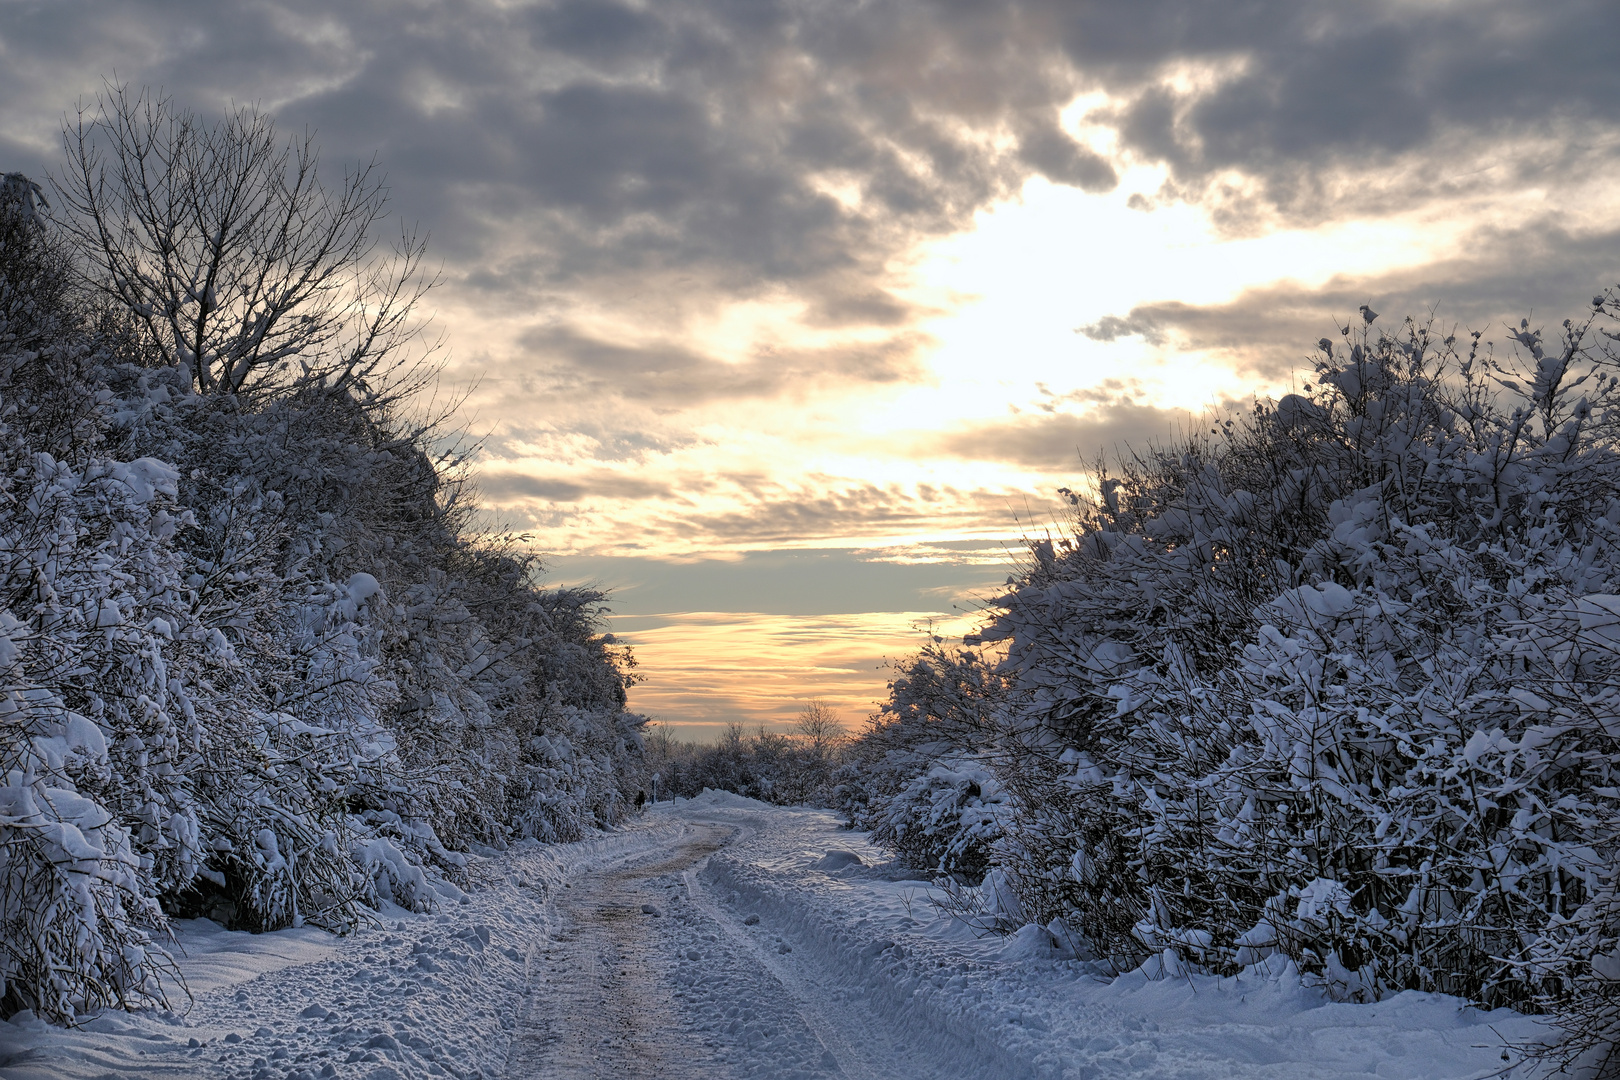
(725, 938)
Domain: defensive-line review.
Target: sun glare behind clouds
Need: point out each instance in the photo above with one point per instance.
(1013, 342)
(729, 280)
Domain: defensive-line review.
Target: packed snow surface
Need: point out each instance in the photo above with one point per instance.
(722, 937)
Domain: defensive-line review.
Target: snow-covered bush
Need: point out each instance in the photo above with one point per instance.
(99, 725)
(940, 708)
(917, 777)
(944, 821)
(252, 664)
(1339, 681)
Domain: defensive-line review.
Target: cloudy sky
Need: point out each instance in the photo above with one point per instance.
(788, 317)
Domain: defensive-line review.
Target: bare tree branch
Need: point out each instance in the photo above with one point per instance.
(236, 263)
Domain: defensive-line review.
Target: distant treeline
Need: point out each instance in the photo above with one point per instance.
(793, 768)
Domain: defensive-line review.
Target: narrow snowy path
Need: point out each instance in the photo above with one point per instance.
(595, 1003)
(646, 971)
(723, 939)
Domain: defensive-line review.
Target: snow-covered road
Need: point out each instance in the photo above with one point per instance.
(597, 997)
(722, 938)
(651, 969)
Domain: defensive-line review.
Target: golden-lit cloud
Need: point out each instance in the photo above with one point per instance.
(728, 279)
(707, 669)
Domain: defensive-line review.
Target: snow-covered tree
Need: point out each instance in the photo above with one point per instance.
(1338, 681)
(253, 664)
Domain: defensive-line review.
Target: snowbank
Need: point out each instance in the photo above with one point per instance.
(1025, 1006)
(709, 797)
(413, 995)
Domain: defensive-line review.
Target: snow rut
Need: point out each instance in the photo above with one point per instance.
(646, 972)
(852, 988)
(594, 1003)
(858, 1048)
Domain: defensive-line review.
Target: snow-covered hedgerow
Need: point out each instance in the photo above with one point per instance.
(1337, 682)
(254, 666)
(769, 766)
(1341, 681)
(436, 696)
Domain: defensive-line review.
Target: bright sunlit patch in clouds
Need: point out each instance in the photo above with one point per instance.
(779, 431)
(1036, 269)
(807, 464)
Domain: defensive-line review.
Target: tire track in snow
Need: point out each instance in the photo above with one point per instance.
(835, 1008)
(851, 1063)
(594, 1005)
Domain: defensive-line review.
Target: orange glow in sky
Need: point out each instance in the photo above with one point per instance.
(938, 456)
(789, 346)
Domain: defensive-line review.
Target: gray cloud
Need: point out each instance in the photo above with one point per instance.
(1537, 270)
(1143, 322)
(505, 487)
(807, 582)
(671, 374)
(617, 140)
(1352, 81)
(1062, 442)
(690, 133)
(653, 161)
(761, 514)
(1048, 150)
(502, 487)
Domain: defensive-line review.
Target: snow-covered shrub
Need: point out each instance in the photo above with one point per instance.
(89, 614)
(944, 821)
(252, 665)
(97, 727)
(1339, 681)
(940, 709)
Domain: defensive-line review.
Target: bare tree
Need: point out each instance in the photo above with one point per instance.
(234, 261)
(820, 726)
(658, 742)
